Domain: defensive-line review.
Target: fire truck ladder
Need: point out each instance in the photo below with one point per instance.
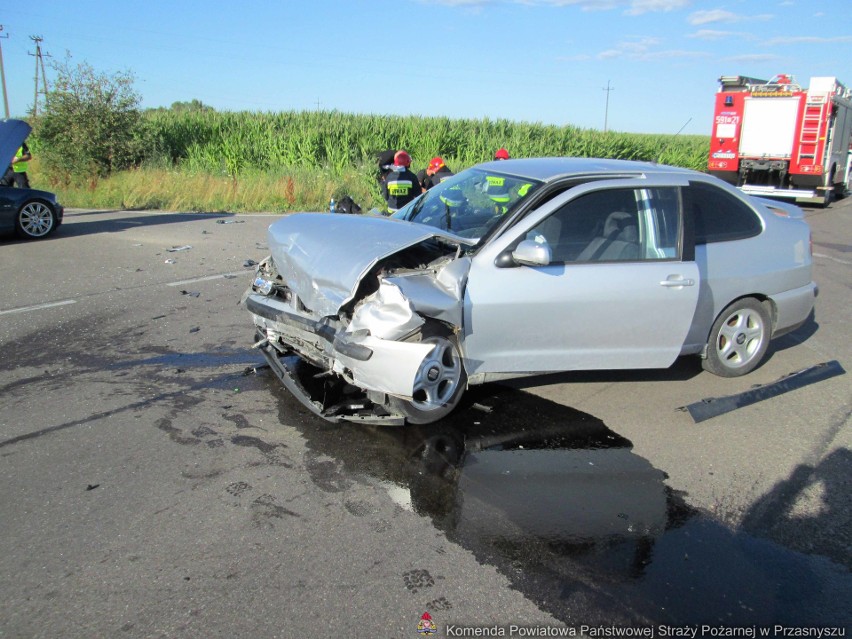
(809, 141)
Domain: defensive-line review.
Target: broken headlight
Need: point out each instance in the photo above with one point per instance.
(263, 285)
(265, 278)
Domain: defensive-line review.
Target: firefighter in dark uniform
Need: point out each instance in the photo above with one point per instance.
(400, 185)
(385, 162)
(436, 173)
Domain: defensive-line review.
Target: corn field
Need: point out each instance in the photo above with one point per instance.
(287, 161)
(234, 143)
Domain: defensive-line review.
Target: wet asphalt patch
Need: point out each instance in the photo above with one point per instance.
(577, 521)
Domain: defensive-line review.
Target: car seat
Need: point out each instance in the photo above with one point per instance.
(619, 240)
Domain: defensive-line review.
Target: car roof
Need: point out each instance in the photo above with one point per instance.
(550, 169)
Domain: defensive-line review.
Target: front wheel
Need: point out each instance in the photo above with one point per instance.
(35, 220)
(439, 383)
(739, 339)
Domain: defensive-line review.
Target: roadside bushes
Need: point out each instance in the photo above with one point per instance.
(91, 126)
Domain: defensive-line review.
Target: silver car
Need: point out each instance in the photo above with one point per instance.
(524, 267)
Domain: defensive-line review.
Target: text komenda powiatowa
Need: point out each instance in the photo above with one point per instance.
(646, 632)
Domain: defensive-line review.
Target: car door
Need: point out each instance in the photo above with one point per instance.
(7, 209)
(620, 290)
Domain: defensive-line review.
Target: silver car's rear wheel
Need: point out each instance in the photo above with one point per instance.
(35, 220)
(739, 339)
(438, 385)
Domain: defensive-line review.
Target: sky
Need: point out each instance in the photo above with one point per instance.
(547, 61)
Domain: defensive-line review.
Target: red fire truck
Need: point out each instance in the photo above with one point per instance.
(777, 139)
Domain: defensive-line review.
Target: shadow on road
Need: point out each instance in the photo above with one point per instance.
(562, 506)
(809, 510)
(73, 227)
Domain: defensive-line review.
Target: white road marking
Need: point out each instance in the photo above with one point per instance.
(38, 307)
(833, 259)
(211, 277)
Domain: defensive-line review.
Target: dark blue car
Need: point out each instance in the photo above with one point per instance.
(30, 213)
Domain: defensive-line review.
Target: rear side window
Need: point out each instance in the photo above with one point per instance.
(719, 216)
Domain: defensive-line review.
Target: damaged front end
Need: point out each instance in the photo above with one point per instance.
(362, 348)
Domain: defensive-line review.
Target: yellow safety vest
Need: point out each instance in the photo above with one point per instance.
(19, 167)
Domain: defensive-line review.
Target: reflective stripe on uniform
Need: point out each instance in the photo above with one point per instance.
(399, 187)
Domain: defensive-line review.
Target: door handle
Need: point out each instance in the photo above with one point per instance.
(677, 282)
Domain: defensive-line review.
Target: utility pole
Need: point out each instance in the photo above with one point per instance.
(39, 62)
(606, 112)
(3, 76)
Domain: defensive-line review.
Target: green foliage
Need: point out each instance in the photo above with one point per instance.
(234, 142)
(288, 161)
(192, 105)
(91, 125)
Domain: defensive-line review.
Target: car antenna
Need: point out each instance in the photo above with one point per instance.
(669, 143)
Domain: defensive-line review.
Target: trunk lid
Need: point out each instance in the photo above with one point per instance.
(12, 136)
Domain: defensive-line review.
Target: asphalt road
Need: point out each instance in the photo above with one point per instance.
(154, 484)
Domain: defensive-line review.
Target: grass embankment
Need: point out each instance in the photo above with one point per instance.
(280, 162)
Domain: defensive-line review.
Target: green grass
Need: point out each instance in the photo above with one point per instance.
(290, 161)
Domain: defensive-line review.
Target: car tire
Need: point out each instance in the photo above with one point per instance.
(739, 339)
(35, 220)
(440, 382)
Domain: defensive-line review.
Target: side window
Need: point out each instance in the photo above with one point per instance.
(614, 225)
(718, 215)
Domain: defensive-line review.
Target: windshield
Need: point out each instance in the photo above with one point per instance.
(470, 203)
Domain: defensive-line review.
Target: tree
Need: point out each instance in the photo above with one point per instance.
(195, 105)
(91, 124)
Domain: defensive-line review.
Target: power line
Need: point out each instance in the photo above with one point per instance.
(606, 111)
(39, 62)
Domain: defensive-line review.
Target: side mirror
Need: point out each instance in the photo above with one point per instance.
(530, 253)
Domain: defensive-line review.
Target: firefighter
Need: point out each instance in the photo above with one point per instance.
(498, 191)
(436, 172)
(400, 185)
(385, 162)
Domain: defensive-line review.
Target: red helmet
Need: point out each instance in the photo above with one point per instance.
(502, 154)
(402, 159)
(436, 164)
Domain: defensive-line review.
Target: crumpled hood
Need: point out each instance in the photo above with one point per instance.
(12, 136)
(322, 257)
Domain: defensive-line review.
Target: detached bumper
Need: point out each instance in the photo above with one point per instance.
(322, 397)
